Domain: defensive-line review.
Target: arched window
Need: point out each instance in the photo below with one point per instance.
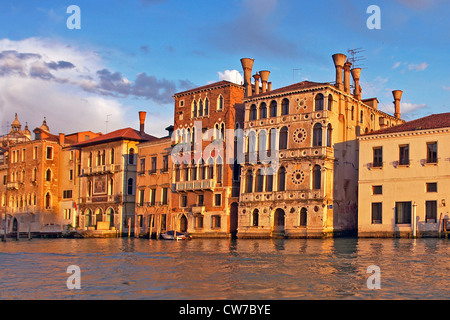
(90, 160)
(249, 181)
(130, 186)
(330, 102)
(361, 116)
(99, 158)
(259, 180)
(89, 188)
(194, 109)
(48, 200)
(177, 172)
(48, 175)
(110, 186)
(263, 111)
(281, 179)
(353, 112)
(285, 106)
(111, 157)
(317, 135)
(255, 218)
(269, 183)
(210, 168)
(283, 138)
(317, 177)
(253, 112)
(219, 169)
(319, 102)
(329, 135)
(273, 109)
(262, 140)
(251, 141)
(303, 217)
(193, 170)
(131, 156)
(200, 108)
(220, 102)
(206, 107)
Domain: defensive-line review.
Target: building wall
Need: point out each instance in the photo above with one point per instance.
(330, 209)
(157, 213)
(403, 183)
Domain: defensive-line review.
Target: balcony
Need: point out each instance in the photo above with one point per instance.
(282, 195)
(195, 185)
(97, 199)
(320, 152)
(108, 168)
(14, 185)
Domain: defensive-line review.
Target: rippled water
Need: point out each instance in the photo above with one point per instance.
(225, 269)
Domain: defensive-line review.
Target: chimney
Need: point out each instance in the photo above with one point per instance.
(397, 96)
(356, 73)
(170, 130)
(264, 78)
(61, 139)
(347, 67)
(339, 60)
(142, 121)
(256, 77)
(247, 65)
(269, 86)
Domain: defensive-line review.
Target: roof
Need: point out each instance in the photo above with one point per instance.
(434, 121)
(121, 134)
(208, 86)
(293, 87)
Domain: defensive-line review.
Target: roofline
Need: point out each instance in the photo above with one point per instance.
(373, 136)
(208, 87)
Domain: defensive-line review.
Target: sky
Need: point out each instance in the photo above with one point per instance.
(131, 56)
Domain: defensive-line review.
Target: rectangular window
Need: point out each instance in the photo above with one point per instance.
(23, 155)
(70, 175)
(200, 200)
(377, 212)
(152, 197)
(432, 152)
(165, 163)
(67, 213)
(378, 157)
(215, 221)
(377, 190)
(164, 196)
(198, 221)
(141, 198)
(431, 211)
(35, 152)
(49, 153)
(183, 201)
(142, 165)
(153, 165)
(163, 222)
(403, 212)
(67, 194)
(404, 155)
(218, 199)
(431, 186)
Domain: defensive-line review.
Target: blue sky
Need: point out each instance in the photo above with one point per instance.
(134, 55)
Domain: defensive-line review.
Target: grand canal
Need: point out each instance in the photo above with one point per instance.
(205, 269)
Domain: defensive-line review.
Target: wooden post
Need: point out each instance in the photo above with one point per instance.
(158, 228)
(150, 227)
(129, 227)
(18, 234)
(29, 231)
(440, 227)
(138, 227)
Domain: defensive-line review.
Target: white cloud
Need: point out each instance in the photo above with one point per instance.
(418, 67)
(396, 65)
(446, 88)
(408, 107)
(232, 76)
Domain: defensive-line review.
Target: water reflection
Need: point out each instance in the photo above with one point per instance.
(225, 268)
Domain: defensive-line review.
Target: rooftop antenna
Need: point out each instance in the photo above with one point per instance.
(355, 58)
(107, 122)
(293, 74)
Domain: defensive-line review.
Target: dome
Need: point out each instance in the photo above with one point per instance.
(44, 125)
(15, 125)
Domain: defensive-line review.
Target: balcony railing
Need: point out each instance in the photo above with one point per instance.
(12, 185)
(282, 195)
(107, 168)
(195, 185)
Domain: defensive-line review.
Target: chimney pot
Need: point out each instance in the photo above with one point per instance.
(247, 65)
(142, 115)
(347, 67)
(264, 78)
(397, 96)
(61, 139)
(356, 74)
(256, 77)
(339, 60)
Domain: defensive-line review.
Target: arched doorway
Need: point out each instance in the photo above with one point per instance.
(110, 217)
(87, 218)
(233, 219)
(183, 223)
(303, 217)
(278, 220)
(15, 225)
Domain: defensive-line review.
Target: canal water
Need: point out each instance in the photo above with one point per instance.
(206, 269)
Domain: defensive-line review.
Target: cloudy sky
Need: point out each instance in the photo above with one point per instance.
(134, 55)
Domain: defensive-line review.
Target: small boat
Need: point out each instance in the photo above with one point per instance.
(174, 235)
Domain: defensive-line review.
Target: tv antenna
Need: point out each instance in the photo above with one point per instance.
(355, 57)
(107, 122)
(293, 74)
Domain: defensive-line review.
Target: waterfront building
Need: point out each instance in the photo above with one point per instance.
(404, 179)
(154, 213)
(309, 129)
(205, 189)
(32, 179)
(108, 171)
